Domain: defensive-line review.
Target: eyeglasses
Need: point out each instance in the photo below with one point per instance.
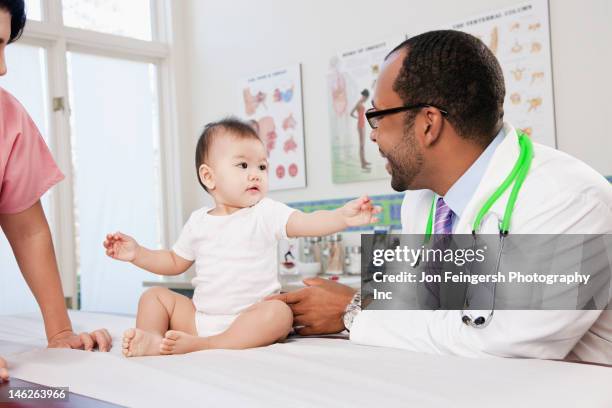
(373, 115)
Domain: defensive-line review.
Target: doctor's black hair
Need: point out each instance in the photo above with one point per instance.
(230, 125)
(16, 8)
(457, 72)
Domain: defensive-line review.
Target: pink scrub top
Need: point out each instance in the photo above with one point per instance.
(27, 169)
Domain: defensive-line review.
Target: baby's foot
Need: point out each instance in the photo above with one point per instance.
(137, 342)
(178, 342)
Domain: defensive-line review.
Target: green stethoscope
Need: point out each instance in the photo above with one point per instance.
(516, 177)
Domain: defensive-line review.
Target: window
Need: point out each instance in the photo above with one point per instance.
(33, 10)
(26, 79)
(115, 159)
(95, 75)
(130, 18)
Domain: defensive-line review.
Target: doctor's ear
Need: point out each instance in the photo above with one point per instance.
(432, 125)
(206, 177)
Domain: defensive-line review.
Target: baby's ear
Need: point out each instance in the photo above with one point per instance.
(207, 177)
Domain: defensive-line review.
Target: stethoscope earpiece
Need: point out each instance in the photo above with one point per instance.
(479, 321)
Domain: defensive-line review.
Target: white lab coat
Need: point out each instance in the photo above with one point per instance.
(561, 195)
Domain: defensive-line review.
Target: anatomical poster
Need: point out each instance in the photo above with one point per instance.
(519, 37)
(272, 102)
(350, 84)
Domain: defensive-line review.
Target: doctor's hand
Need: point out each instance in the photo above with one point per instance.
(319, 307)
(360, 212)
(3, 371)
(121, 247)
(85, 341)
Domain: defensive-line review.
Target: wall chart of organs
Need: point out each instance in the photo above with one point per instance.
(252, 102)
(519, 37)
(272, 102)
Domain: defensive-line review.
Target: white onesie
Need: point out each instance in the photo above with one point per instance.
(235, 260)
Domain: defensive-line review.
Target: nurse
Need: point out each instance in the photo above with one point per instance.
(27, 171)
(437, 117)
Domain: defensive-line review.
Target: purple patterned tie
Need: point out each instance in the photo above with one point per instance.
(443, 228)
(443, 223)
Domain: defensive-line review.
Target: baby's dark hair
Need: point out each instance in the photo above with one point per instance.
(16, 8)
(230, 125)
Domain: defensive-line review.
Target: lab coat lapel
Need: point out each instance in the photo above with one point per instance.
(415, 211)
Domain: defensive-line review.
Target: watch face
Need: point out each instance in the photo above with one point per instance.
(348, 320)
(351, 311)
(349, 316)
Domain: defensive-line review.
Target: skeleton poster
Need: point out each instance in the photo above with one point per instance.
(519, 37)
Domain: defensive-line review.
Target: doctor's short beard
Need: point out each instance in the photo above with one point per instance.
(405, 160)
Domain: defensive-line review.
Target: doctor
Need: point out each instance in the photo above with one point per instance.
(438, 120)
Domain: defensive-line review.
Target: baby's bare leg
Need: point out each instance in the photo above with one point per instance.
(260, 325)
(3, 370)
(159, 309)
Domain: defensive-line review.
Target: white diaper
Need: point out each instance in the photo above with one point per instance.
(209, 325)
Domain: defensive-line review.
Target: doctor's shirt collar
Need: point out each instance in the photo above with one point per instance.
(460, 193)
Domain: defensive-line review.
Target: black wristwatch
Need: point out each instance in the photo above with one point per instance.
(352, 310)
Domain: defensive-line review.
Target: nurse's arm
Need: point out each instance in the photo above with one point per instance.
(30, 238)
(29, 235)
(3, 370)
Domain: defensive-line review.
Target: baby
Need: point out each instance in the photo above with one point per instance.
(234, 247)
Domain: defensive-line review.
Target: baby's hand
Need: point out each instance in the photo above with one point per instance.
(360, 212)
(121, 247)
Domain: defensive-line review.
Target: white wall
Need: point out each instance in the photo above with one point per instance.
(226, 40)
(582, 67)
